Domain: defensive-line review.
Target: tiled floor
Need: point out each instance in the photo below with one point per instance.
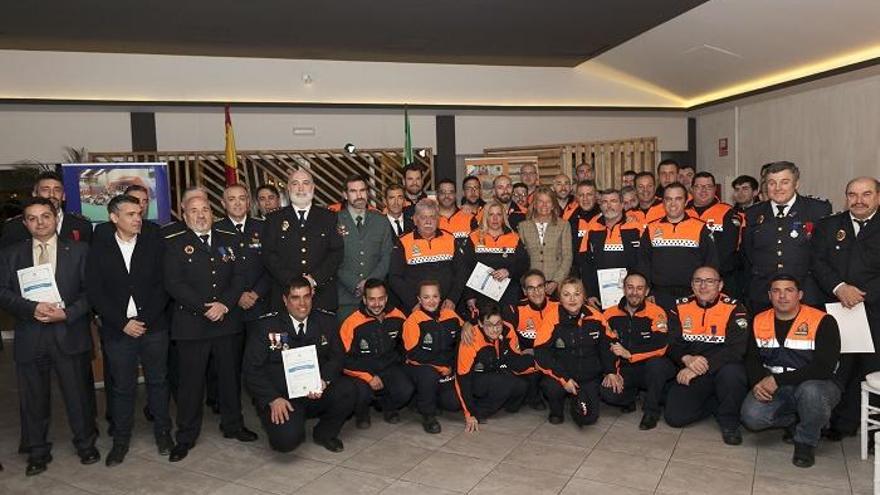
(511, 454)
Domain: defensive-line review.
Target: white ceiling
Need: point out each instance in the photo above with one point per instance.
(723, 44)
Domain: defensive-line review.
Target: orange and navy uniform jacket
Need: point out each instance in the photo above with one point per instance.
(371, 346)
(527, 319)
(654, 212)
(793, 351)
(670, 252)
(431, 339)
(460, 224)
(414, 259)
(515, 214)
(645, 333)
(718, 331)
(505, 251)
(484, 356)
(580, 221)
(725, 225)
(601, 248)
(573, 346)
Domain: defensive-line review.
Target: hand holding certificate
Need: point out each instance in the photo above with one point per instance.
(301, 370)
(481, 280)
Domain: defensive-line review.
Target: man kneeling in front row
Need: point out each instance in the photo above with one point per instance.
(791, 363)
(263, 369)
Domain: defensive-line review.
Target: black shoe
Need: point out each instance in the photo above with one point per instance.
(788, 435)
(242, 435)
(732, 436)
(89, 456)
(37, 466)
(556, 420)
(430, 424)
(148, 415)
(179, 452)
(649, 421)
(331, 444)
(392, 417)
(363, 423)
(116, 455)
(164, 444)
(804, 455)
(538, 405)
(628, 408)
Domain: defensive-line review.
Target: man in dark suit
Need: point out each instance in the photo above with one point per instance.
(778, 236)
(205, 275)
(50, 336)
(298, 326)
(395, 202)
(301, 240)
(128, 294)
(69, 226)
(142, 195)
(846, 264)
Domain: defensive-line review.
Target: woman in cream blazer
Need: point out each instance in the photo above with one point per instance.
(547, 238)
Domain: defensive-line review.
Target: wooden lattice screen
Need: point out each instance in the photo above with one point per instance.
(381, 167)
(609, 158)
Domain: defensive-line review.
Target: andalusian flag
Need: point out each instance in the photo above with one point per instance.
(231, 160)
(407, 139)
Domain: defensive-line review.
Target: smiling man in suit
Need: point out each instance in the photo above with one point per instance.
(846, 263)
(50, 336)
(128, 294)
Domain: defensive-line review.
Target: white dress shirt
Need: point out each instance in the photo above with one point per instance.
(785, 210)
(127, 249)
(296, 323)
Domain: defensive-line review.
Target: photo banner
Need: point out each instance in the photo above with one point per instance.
(88, 187)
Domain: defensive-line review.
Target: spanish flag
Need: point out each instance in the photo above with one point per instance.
(231, 160)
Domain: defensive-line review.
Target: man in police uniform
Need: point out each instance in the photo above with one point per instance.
(205, 275)
(778, 235)
(174, 227)
(302, 240)
(368, 243)
(284, 418)
(847, 267)
(70, 226)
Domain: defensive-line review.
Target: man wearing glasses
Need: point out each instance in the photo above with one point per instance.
(708, 344)
(723, 223)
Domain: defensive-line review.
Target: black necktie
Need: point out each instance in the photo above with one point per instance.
(204, 238)
(359, 222)
(300, 330)
(861, 224)
(302, 216)
(780, 211)
(398, 227)
(240, 228)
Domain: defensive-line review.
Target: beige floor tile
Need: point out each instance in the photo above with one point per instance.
(560, 459)
(227, 464)
(387, 458)
(284, 474)
(634, 418)
(234, 489)
(344, 481)
(516, 424)
(626, 440)
(177, 481)
(437, 468)
(772, 440)
(580, 486)
(507, 479)
(568, 434)
(353, 445)
(37, 485)
(765, 485)
(413, 434)
(715, 454)
(681, 478)
(827, 471)
(861, 474)
(483, 445)
(408, 488)
(628, 470)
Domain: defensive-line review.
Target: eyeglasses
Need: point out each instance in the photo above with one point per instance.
(493, 326)
(534, 288)
(705, 281)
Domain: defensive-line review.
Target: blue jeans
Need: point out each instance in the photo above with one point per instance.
(808, 405)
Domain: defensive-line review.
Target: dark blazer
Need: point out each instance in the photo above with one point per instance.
(772, 245)
(107, 229)
(195, 275)
(407, 225)
(315, 248)
(262, 366)
(72, 335)
(367, 253)
(74, 227)
(110, 285)
(256, 277)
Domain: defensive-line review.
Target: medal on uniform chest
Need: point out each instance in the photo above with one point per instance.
(284, 341)
(188, 249)
(793, 234)
(342, 230)
(760, 219)
(841, 235)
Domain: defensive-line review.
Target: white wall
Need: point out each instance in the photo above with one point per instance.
(830, 129)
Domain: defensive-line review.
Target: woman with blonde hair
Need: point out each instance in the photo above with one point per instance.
(547, 238)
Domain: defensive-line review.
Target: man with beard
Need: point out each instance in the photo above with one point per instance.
(70, 226)
(472, 198)
(562, 190)
(502, 190)
(457, 221)
(583, 172)
(268, 200)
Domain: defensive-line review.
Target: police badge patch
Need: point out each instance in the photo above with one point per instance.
(479, 367)
(802, 330)
(560, 344)
(841, 235)
(742, 323)
(364, 345)
(687, 324)
(188, 249)
(428, 340)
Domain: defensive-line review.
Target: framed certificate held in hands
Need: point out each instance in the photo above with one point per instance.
(301, 370)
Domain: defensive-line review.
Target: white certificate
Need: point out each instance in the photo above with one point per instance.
(301, 370)
(481, 281)
(855, 333)
(38, 284)
(610, 285)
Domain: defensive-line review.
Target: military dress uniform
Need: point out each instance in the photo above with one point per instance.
(301, 242)
(197, 273)
(367, 255)
(257, 279)
(775, 242)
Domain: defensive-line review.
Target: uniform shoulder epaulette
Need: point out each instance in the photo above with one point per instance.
(684, 300)
(268, 315)
(174, 234)
(228, 232)
(729, 300)
(818, 198)
(16, 217)
(255, 219)
(328, 313)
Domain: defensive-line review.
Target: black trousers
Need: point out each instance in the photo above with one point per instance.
(492, 391)
(34, 389)
(433, 390)
(533, 390)
(123, 355)
(721, 393)
(853, 368)
(650, 375)
(556, 395)
(397, 392)
(332, 409)
(193, 362)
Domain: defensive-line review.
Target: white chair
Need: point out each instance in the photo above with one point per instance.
(869, 424)
(876, 465)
